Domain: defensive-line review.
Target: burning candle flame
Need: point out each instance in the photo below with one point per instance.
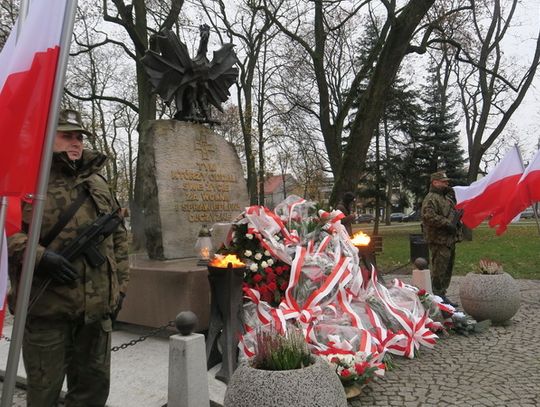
(205, 253)
(223, 261)
(360, 239)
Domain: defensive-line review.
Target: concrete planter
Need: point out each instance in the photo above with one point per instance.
(490, 296)
(314, 386)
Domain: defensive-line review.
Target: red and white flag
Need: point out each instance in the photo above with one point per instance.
(526, 193)
(28, 65)
(489, 195)
(27, 73)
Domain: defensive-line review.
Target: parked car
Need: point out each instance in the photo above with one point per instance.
(527, 213)
(414, 216)
(397, 217)
(365, 218)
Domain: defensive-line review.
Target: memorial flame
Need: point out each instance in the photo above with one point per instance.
(360, 239)
(220, 261)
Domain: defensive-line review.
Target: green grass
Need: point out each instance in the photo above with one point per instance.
(518, 250)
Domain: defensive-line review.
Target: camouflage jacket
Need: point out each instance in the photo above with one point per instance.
(438, 212)
(97, 290)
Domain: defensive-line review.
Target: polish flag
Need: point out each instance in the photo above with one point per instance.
(526, 193)
(489, 195)
(27, 72)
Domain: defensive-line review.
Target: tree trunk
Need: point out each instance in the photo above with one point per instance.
(372, 102)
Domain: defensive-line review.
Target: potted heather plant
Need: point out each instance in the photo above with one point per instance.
(490, 293)
(283, 373)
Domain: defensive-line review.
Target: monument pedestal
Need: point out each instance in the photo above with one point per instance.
(159, 289)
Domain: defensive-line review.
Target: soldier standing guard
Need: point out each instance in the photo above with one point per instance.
(442, 230)
(72, 303)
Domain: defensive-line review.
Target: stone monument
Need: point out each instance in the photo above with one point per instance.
(192, 177)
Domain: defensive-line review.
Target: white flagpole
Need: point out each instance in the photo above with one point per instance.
(37, 214)
(3, 212)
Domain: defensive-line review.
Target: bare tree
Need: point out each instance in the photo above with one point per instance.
(9, 10)
(94, 73)
(246, 26)
(491, 85)
(334, 104)
(140, 20)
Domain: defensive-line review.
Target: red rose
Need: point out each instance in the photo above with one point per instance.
(272, 286)
(266, 294)
(345, 373)
(421, 292)
(279, 270)
(335, 360)
(268, 270)
(284, 285)
(360, 368)
(257, 278)
(270, 276)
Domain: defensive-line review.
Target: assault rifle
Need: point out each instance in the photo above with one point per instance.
(456, 218)
(86, 243)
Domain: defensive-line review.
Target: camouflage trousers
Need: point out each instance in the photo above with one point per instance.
(53, 349)
(442, 265)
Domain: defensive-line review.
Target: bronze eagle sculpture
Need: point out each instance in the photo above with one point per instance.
(194, 84)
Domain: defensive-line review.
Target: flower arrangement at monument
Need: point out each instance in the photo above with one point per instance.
(355, 368)
(303, 271)
(265, 274)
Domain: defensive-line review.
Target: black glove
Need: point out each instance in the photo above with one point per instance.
(57, 268)
(451, 228)
(118, 306)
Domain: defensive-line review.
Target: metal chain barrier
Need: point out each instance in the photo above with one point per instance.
(154, 332)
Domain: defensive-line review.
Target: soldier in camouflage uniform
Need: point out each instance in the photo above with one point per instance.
(68, 328)
(441, 232)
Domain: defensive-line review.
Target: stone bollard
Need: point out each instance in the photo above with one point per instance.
(421, 276)
(188, 380)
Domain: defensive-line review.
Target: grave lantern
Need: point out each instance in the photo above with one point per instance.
(203, 246)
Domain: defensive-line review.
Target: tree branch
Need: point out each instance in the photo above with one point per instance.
(103, 97)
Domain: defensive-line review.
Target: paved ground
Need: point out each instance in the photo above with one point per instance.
(498, 368)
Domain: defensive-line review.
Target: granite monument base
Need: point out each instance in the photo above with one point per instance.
(159, 290)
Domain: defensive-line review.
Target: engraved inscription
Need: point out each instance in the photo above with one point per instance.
(207, 193)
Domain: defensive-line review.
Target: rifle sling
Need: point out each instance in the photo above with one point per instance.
(64, 218)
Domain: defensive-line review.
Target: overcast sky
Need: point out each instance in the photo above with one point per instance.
(526, 120)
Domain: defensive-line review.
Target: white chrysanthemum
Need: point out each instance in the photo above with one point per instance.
(264, 264)
(267, 253)
(249, 236)
(248, 253)
(258, 256)
(270, 262)
(254, 267)
(348, 359)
